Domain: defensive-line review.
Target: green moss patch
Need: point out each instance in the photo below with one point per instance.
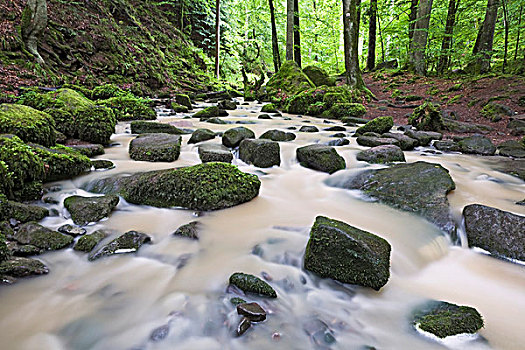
(130, 108)
(27, 123)
(427, 117)
(378, 125)
(288, 81)
(252, 284)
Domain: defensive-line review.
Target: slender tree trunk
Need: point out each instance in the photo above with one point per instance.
(275, 43)
(381, 38)
(296, 34)
(412, 21)
(289, 30)
(217, 36)
(372, 28)
(446, 45)
(358, 6)
(419, 40)
(519, 32)
(34, 22)
(316, 36)
(506, 25)
(485, 39)
(351, 37)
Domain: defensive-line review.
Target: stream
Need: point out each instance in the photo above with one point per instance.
(181, 285)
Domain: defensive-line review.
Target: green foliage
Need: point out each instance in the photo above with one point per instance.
(62, 162)
(27, 123)
(128, 107)
(103, 92)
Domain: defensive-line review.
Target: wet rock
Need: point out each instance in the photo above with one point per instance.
(100, 164)
(42, 237)
(142, 127)
(183, 100)
(233, 137)
(252, 311)
(236, 301)
(201, 135)
(22, 267)
(354, 120)
(447, 146)
(379, 125)
(462, 127)
(252, 284)
(347, 254)
(418, 187)
(177, 108)
(71, 230)
(227, 105)
(319, 332)
(155, 147)
(320, 157)
(424, 137)
(269, 108)
(215, 153)
(338, 135)
(477, 144)
(208, 186)
(261, 153)
(217, 120)
(190, 230)
(84, 210)
(372, 141)
(338, 142)
(207, 113)
(243, 326)
(89, 150)
(444, 319)
(23, 250)
(512, 148)
(308, 128)
(406, 143)
(88, 242)
(427, 117)
(160, 333)
(335, 128)
(514, 167)
(21, 212)
(382, 154)
(278, 135)
(499, 232)
(129, 242)
(264, 116)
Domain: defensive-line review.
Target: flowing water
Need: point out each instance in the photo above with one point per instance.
(180, 285)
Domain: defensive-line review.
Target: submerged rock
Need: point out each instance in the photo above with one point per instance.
(129, 242)
(190, 230)
(233, 137)
(252, 311)
(155, 147)
(320, 157)
(338, 142)
(278, 135)
(88, 242)
(269, 108)
(201, 135)
(261, 153)
(499, 232)
(22, 267)
(243, 326)
(252, 284)
(347, 254)
(42, 237)
(84, 210)
(382, 154)
(208, 186)
(308, 128)
(215, 153)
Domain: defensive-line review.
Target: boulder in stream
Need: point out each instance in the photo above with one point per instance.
(320, 157)
(308, 128)
(42, 237)
(252, 284)
(129, 242)
(233, 137)
(207, 113)
(261, 153)
(22, 267)
(278, 135)
(347, 254)
(88, 242)
(201, 135)
(88, 149)
(406, 143)
(379, 125)
(477, 144)
(155, 147)
(84, 210)
(424, 137)
(210, 152)
(21, 212)
(190, 230)
(382, 154)
(142, 127)
(373, 141)
(512, 148)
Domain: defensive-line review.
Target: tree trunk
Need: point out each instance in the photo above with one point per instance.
(217, 36)
(419, 39)
(381, 38)
(518, 37)
(351, 36)
(444, 59)
(289, 30)
(372, 29)
(275, 44)
(412, 21)
(296, 34)
(485, 40)
(34, 22)
(506, 25)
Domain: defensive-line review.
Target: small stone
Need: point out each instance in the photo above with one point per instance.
(278, 135)
(88, 242)
(338, 135)
(99, 164)
(308, 128)
(190, 230)
(244, 325)
(264, 116)
(252, 284)
(236, 301)
(335, 128)
(155, 147)
(261, 153)
(338, 142)
(129, 242)
(72, 230)
(372, 141)
(252, 311)
(159, 333)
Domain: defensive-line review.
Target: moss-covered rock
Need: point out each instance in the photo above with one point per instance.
(201, 135)
(61, 162)
(208, 186)
(129, 242)
(27, 123)
(406, 143)
(288, 81)
(278, 135)
(130, 108)
(215, 153)
(89, 149)
(227, 105)
(444, 319)
(344, 110)
(42, 237)
(233, 137)
(88, 242)
(179, 108)
(308, 128)
(320, 157)
(84, 210)
(347, 254)
(261, 153)
(100, 164)
(183, 100)
(155, 147)
(105, 91)
(512, 148)
(252, 284)
(207, 113)
(22, 267)
(269, 108)
(424, 137)
(374, 141)
(332, 98)
(495, 111)
(427, 117)
(447, 146)
(318, 76)
(143, 127)
(21, 212)
(382, 154)
(378, 125)
(190, 230)
(477, 144)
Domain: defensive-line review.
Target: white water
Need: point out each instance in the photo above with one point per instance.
(116, 302)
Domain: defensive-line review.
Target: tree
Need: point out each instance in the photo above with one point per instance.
(412, 20)
(372, 26)
(217, 36)
(419, 41)
(444, 59)
(351, 36)
(289, 29)
(275, 44)
(506, 25)
(483, 47)
(296, 34)
(34, 22)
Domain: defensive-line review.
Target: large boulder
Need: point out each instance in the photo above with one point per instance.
(427, 117)
(289, 80)
(269, 108)
(215, 153)
(183, 100)
(318, 76)
(499, 232)
(142, 127)
(22, 267)
(207, 113)
(373, 141)
(382, 154)
(155, 147)
(261, 153)
(129, 242)
(130, 107)
(42, 237)
(84, 210)
(233, 137)
(320, 157)
(406, 143)
(20, 211)
(477, 144)
(512, 148)
(418, 187)
(278, 135)
(347, 254)
(208, 186)
(28, 124)
(201, 135)
(344, 110)
(424, 137)
(378, 125)
(61, 162)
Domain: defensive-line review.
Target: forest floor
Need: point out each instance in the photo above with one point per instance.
(461, 97)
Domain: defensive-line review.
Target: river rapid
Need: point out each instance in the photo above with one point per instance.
(181, 285)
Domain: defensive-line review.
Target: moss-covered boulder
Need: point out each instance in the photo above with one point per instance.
(61, 162)
(512, 148)
(208, 186)
(102, 164)
(278, 135)
(42, 237)
(130, 108)
(201, 135)
(84, 210)
(375, 141)
(27, 123)
(427, 117)
(418, 187)
(496, 111)
(105, 91)
(382, 154)
(406, 143)
(143, 127)
(207, 113)
(20, 211)
(447, 146)
(129, 242)
(288, 81)
(314, 101)
(424, 137)
(155, 147)
(179, 108)
(88, 149)
(227, 105)
(190, 230)
(183, 100)
(320, 157)
(22, 267)
(261, 153)
(233, 137)
(477, 144)
(499, 232)
(252, 284)
(347, 254)
(269, 108)
(88, 242)
(444, 319)
(378, 125)
(215, 153)
(345, 110)
(318, 76)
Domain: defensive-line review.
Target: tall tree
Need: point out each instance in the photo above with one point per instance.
(217, 36)
(518, 36)
(419, 41)
(485, 39)
(275, 44)
(289, 29)
(412, 15)
(351, 38)
(296, 34)
(34, 22)
(446, 44)
(506, 26)
(372, 29)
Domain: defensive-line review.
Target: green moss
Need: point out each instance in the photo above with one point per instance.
(252, 284)
(23, 212)
(27, 123)
(177, 108)
(183, 100)
(269, 108)
(88, 242)
(42, 237)
(427, 117)
(206, 113)
(316, 109)
(6, 184)
(454, 99)
(237, 301)
(318, 76)
(345, 110)
(62, 162)
(155, 147)
(86, 92)
(84, 210)
(128, 107)
(328, 95)
(143, 127)
(107, 91)
(378, 125)
(288, 81)
(332, 98)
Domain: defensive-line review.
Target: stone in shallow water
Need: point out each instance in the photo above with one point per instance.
(424, 137)
(233, 137)
(129, 242)
(42, 237)
(252, 311)
(372, 141)
(406, 143)
(338, 142)
(261, 153)
(278, 135)
(477, 144)
(102, 164)
(72, 230)
(17, 249)
(382, 154)
(308, 128)
(252, 284)
(243, 326)
(215, 153)
(155, 147)
(201, 135)
(160, 333)
(320, 157)
(84, 210)
(88, 242)
(142, 127)
(190, 230)
(22, 267)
